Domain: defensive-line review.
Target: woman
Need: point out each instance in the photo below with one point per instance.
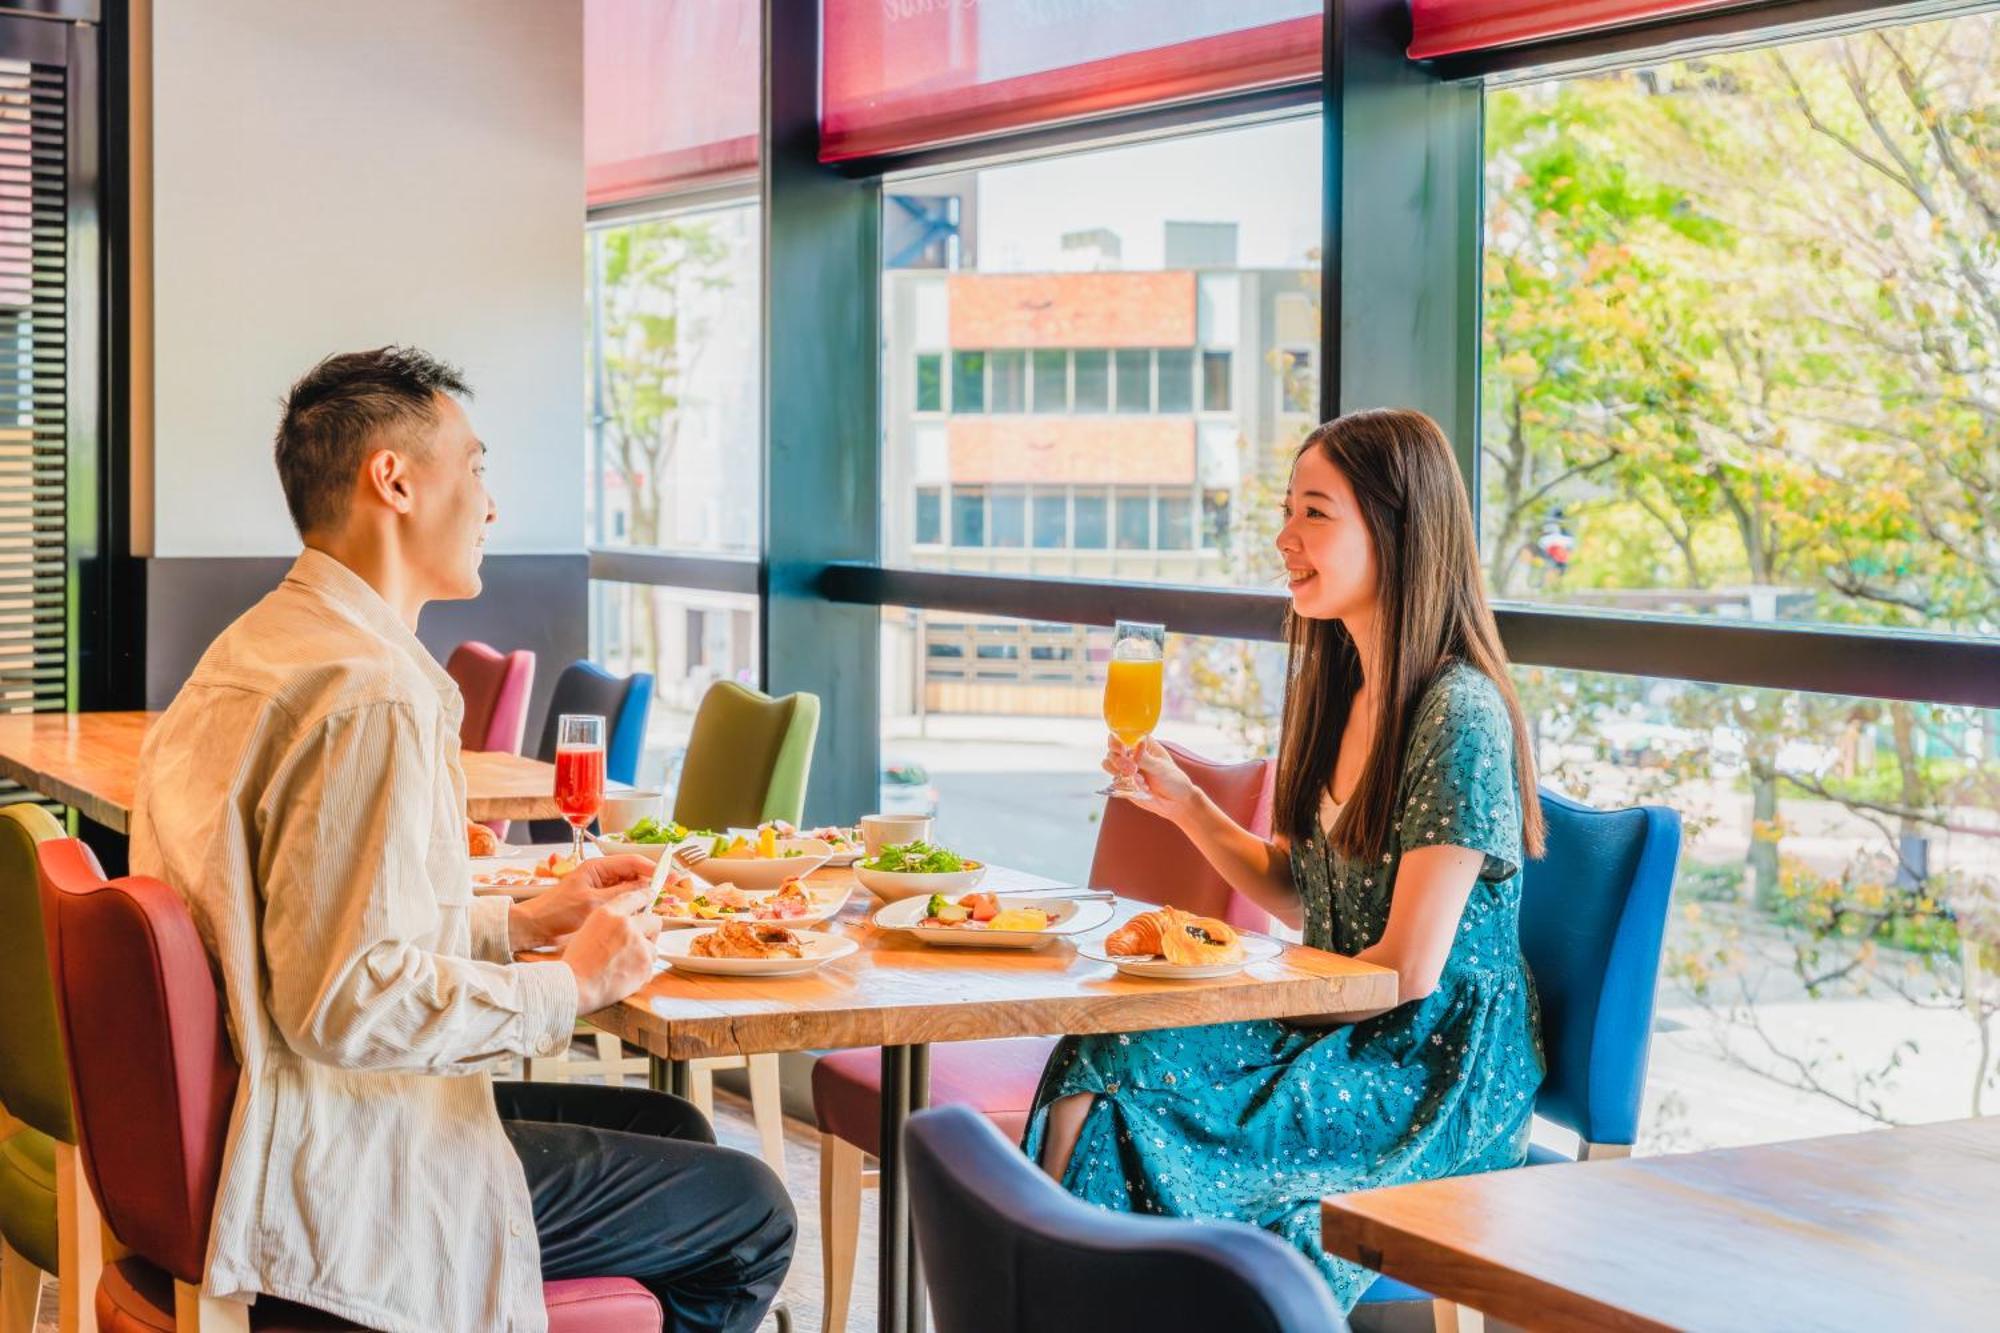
(1405, 801)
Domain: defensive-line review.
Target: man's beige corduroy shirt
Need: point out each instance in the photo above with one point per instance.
(304, 794)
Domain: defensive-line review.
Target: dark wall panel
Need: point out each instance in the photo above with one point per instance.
(538, 602)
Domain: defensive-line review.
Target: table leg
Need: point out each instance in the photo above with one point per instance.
(899, 1293)
(667, 1075)
(914, 1308)
(893, 1257)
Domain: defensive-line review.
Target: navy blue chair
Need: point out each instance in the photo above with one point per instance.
(624, 702)
(1006, 1250)
(1593, 911)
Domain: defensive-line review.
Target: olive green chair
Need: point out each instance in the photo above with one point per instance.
(48, 1220)
(747, 759)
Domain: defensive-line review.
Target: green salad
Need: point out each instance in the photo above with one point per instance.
(650, 830)
(918, 858)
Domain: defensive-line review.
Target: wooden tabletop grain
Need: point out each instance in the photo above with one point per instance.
(897, 991)
(91, 761)
(1891, 1229)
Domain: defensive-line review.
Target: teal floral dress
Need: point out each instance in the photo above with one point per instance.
(1256, 1122)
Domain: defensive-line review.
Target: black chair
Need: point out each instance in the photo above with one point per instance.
(624, 702)
(1006, 1250)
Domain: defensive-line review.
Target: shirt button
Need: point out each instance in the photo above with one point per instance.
(515, 1227)
(545, 1045)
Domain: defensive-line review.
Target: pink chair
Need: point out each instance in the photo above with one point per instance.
(496, 687)
(1140, 855)
(152, 1078)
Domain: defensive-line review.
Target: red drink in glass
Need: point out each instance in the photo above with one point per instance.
(580, 783)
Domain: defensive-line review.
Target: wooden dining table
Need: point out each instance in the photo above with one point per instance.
(1892, 1228)
(90, 762)
(903, 995)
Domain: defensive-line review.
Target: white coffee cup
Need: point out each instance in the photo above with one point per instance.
(879, 831)
(623, 809)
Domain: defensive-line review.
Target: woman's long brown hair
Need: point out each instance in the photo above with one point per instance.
(1431, 612)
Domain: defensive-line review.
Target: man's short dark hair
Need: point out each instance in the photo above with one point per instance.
(337, 413)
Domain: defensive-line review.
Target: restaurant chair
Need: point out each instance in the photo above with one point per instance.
(152, 1077)
(625, 703)
(748, 758)
(1593, 913)
(1138, 854)
(48, 1219)
(495, 687)
(1007, 1250)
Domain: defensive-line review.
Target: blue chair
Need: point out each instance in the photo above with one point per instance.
(1006, 1250)
(624, 702)
(1593, 911)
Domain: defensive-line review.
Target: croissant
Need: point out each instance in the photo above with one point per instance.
(1137, 938)
(747, 939)
(1179, 937)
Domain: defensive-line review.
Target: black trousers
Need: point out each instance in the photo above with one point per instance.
(628, 1182)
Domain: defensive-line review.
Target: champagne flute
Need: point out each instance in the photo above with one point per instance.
(1134, 680)
(579, 773)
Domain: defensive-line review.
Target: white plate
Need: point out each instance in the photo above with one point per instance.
(894, 885)
(1256, 949)
(755, 874)
(829, 900)
(517, 858)
(819, 946)
(1067, 916)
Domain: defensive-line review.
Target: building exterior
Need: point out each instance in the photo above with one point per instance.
(1082, 424)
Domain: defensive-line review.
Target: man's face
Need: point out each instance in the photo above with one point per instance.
(445, 529)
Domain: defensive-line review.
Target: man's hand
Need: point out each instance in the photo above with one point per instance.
(612, 955)
(549, 918)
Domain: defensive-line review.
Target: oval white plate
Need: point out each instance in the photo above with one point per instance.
(755, 874)
(829, 901)
(820, 948)
(895, 885)
(1256, 949)
(1067, 916)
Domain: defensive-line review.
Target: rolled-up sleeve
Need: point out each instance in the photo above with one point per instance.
(350, 912)
(492, 935)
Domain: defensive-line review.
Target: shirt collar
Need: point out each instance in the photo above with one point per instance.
(347, 592)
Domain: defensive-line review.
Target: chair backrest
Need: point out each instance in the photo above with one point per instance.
(624, 702)
(495, 687)
(1593, 911)
(1006, 1250)
(33, 1083)
(1144, 857)
(151, 1072)
(748, 758)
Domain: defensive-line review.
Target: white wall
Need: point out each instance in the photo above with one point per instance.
(333, 176)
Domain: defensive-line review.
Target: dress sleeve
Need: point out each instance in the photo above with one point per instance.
(1459, 782)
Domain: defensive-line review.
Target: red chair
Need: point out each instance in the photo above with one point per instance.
(496, 687)
(152, 1077)
(1140, 855)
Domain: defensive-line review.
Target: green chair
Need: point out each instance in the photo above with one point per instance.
(747, 758)
(747, 762)
(48, 1221)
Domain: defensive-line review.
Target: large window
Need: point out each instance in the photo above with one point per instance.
(672, 383)
(1123, 326)
(1742, 345)
(687, 640)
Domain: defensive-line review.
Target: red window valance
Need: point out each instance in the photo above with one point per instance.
(670, 95)
(1456, 27)
(904, 74)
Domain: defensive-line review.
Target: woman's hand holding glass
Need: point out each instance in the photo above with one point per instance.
(1162, 786)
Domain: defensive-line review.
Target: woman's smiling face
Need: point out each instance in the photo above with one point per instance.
(1329, 556)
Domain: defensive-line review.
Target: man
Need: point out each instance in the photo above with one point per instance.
(304, 793)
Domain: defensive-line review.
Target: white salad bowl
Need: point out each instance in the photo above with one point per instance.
(894, 886)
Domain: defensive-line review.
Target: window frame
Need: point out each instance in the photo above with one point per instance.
(1400, 231)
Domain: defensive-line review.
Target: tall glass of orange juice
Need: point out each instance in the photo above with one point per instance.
(1133, 683)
